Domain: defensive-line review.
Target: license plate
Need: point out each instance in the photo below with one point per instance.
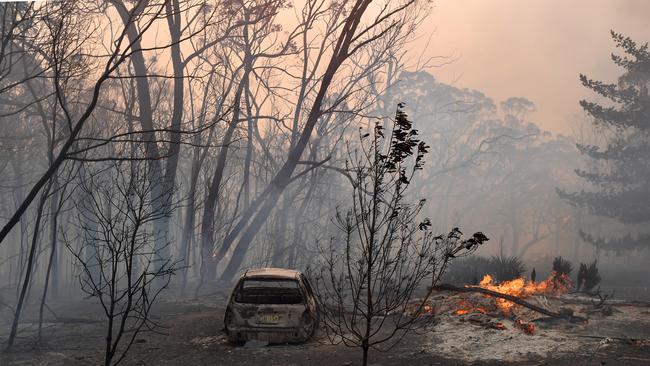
(269, 319)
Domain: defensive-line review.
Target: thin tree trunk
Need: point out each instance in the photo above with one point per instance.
(280, 245)
(162, 189)
(24, 234)
(298, 229)
(280, 181)
(114, 61)
(283, 177)
(245, 189)
(188, 230)
(208, 266)
(171, 163)
(28, 270)
(198, 158)
(50, 272)
(364, 362)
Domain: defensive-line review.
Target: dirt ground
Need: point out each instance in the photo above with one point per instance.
(193, 336)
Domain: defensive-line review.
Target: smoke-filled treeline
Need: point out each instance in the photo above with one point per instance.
(235, 116)
(235, 110)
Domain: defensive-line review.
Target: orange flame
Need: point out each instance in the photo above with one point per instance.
(466, 307)
(554, 285)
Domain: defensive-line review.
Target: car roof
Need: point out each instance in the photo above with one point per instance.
(271, 273)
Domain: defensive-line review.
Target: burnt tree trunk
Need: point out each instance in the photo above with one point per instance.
(282, 179)
(187, 239)
(164, 181)
(208, 265)
(51, 271)
(29, 268)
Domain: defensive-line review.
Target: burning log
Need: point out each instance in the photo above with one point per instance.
(514, 299)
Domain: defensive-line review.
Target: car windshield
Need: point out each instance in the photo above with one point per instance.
(269, 291)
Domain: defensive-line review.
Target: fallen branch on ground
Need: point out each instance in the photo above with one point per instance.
(516, 300)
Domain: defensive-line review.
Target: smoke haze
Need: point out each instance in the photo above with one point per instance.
(535, 49)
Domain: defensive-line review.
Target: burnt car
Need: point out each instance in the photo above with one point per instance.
(271, 304)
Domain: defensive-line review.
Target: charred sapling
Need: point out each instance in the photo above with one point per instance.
(467, 271)
(561, 271)
(562, 266)
(588, 277)
(506, 268)
(119, 264)
(375, 281)
(533, 276)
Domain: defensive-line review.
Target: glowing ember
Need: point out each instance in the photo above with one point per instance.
(466, 307)
(553, 285)
(418, 309)
(528, 328)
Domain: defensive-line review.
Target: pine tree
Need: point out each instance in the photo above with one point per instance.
(621, 188)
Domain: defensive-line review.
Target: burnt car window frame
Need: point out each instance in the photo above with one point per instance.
(240, 287)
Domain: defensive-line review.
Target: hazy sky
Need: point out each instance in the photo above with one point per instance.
(532, 48)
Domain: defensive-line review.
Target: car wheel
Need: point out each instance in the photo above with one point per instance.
(308, 324)
(227, 320)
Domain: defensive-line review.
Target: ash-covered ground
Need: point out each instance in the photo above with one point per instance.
(615, 331)
(192, 335)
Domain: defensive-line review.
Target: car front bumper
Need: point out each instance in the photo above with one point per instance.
(268, 334)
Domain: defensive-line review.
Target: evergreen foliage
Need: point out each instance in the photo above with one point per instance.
(562, 266)
(507, 268)
(620, 186)
(588, 277)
